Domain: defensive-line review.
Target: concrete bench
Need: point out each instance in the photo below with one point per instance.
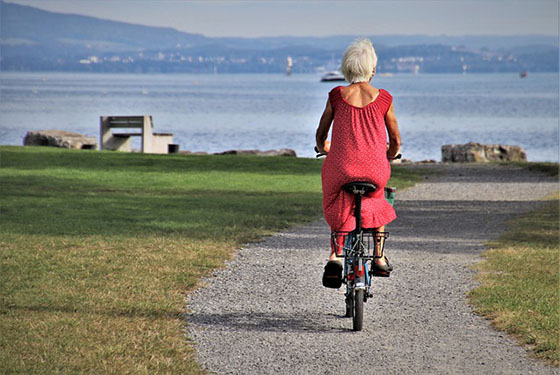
(152, 143)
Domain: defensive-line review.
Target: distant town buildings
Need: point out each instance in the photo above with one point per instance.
(453, 59)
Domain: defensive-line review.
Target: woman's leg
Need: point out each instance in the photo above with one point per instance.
(379, 248)
(337, 247)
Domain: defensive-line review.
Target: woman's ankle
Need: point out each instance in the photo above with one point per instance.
(380, 260)
(334, 257)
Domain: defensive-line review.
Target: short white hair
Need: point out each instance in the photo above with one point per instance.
(358, 61)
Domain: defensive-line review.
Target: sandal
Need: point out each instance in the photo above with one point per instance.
(381, 270)
(332, 277)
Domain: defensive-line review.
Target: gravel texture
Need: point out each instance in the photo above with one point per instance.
(266, 312)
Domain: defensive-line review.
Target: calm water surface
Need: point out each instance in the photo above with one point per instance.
(218, 112)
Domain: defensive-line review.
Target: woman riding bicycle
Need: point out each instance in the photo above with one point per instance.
(362, 117)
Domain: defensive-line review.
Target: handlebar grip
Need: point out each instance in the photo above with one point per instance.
(319, 154)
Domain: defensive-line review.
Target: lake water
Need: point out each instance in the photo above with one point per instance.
(214, 113)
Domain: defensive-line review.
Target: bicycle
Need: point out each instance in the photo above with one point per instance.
(359, 249)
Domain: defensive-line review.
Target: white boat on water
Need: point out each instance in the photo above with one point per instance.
(289, 65)
(332, 76)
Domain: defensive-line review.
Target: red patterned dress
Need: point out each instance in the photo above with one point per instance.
(358, 153)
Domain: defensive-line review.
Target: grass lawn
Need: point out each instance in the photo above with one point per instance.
(551, 169)
(520, 279)
(98, 249)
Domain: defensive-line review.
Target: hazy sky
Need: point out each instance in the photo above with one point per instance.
(319, 18)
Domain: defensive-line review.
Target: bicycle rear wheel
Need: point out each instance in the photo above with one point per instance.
(358, 315)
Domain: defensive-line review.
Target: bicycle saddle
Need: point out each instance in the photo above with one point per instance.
(359, 187)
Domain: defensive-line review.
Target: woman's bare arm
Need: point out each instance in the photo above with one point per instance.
(394, 134)
(324, 127)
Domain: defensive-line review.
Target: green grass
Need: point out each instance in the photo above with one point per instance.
(98, 249)
(520, 284)
(550, 169)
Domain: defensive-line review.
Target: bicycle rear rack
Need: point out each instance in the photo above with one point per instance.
(351, 244)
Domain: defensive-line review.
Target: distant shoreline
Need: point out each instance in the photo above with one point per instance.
(278, 153)
(318, 74)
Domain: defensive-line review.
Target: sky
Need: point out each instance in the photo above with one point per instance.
(256, 18)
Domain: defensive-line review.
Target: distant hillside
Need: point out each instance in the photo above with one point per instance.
(26, 25)
(35, 40)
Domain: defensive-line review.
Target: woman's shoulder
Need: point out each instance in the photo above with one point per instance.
(335, 95)
(385, 99)
(337, 89)
(385, 93)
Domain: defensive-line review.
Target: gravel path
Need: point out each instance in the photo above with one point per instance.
(267, 312)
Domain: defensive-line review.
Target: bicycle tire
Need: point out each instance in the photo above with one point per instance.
(349, 306)
(358, 316)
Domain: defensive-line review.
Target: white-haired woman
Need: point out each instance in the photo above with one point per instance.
(361, 117)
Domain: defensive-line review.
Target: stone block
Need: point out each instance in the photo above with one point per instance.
(59, 138)
(280, 152)
(480, 153)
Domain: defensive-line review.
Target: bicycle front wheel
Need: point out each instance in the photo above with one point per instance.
(350, 306)
(358, 315)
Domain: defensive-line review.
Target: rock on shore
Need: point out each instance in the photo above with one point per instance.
(280, 152)
(59, 138)
(479, 153)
